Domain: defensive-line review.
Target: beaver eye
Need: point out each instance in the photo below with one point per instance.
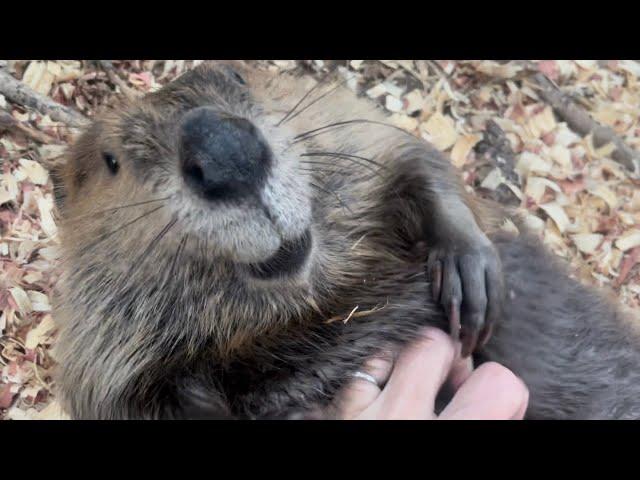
(236, 75)
(111, 162)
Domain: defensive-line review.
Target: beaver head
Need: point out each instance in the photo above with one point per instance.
(209, 159)
(196, 212)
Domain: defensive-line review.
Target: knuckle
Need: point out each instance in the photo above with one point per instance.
(494, 265)
(524, 393)
(379, 367)
(436, 342)
(503, 378)
(475, 320)
(447, 298)
(468, 260)
(451, 284)
(434, 268)
(476, 304)
(431, 334)
(453, 295)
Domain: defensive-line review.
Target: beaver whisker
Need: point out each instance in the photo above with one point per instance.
(176, 256)
(320, 172)
(318, 166)
(320, 98)
(346, 156)
(331, 192)
(316, 131)
(322, 169)
(152, 244)
(113, 209)
(106, 236)
(311, 90)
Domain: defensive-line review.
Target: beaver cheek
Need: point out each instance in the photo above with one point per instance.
(287, 198)
(252, 240)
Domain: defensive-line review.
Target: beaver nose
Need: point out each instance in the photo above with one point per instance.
(222, 157)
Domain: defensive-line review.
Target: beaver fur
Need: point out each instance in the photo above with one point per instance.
(164, 313)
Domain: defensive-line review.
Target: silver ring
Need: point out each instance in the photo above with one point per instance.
(366, 377)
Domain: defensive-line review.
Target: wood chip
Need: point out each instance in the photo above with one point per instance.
(41, 333)
(39, 76)
(414, 101)
(529, 162)
(441, 131)
(53, 411)
(606, 194)
(493, 180)
(557, 214)
(463, 147)
(22, 299)
(393, 104)
(39, 301)
(587, 242)
(628, 240)
(541, 123)
(405, 122)
(34, 172)
(537, 186)
(495, 69)
(45, 207)
(33, 277)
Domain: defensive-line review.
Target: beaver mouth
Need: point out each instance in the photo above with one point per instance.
(289, 258)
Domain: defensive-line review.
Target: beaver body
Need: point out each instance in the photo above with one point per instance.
(236, 247)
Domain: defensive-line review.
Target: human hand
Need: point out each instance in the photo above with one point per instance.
(491, 392)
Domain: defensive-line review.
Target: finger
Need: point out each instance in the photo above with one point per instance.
(520, 414)
(492, 392)
(359, 394)
(461, 371)
(416, 378)
(474, 303)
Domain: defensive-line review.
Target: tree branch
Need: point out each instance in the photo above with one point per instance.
(581, 122)
(7, 122)
(127, 91)
(19, 93)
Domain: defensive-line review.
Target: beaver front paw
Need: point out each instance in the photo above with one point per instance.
(467, 281)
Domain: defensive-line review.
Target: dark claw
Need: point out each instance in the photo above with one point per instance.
(469, 338)
(435, 274)
(495, 290)
(468, 284)
(485, 335)
(454, 320)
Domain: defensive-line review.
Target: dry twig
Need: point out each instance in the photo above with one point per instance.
(7, 122)
(581, 122)
(127, 91)
(19, 93)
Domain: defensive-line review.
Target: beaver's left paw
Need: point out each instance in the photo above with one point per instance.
(467, 281)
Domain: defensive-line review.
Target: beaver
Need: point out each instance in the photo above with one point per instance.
(238, 243)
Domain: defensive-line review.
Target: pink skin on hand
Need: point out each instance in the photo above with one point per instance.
(490, 392)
